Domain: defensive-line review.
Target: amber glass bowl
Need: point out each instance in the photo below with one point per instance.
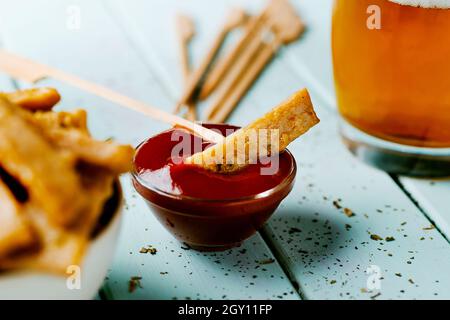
(214, 225)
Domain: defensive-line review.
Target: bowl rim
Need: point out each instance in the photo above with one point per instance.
(262, 195)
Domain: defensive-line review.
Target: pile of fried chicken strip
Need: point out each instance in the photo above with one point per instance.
(54, 181)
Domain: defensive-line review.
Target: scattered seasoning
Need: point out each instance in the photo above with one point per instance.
(332, 281)
(266, 261)
(348, 212)
(337, 205)
(134, 283)
(164, 272)
(431, 227)
(398, 275)
(348, 227)
(149, 249)
(389, 239)
(375, 237)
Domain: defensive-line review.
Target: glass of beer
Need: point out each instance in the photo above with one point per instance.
(392, 76)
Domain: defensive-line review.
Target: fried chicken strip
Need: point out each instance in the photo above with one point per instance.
(48, 173)
(58, 248)
(61, 247)
(68, 177)
(105, 154)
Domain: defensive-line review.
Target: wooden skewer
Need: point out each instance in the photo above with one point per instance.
(223, 65)
(234, 19)
(186, 31)
(285, 27)
(30, 71)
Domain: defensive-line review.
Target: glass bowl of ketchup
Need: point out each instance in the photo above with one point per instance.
(208, 211)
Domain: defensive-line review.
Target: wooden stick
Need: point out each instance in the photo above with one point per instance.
(233, 76)
(235, 18)
(223, 65)
(186, 31)
(30, 71)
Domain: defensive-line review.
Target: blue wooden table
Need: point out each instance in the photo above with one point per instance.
(310, 249)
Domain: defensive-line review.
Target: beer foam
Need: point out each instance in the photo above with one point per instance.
(437, 4)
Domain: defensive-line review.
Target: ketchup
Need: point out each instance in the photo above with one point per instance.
(155, 167)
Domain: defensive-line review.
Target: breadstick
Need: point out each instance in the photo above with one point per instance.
(290, 119)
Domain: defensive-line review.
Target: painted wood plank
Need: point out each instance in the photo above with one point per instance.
(326, 251)
(100, 51)
(248, 272)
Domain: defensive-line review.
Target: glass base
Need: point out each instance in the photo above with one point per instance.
(396, 158)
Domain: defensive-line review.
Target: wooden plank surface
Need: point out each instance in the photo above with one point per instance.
(99, 51)
(326, 252)
(379, 206)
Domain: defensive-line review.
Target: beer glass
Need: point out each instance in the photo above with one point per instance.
(392, 77)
